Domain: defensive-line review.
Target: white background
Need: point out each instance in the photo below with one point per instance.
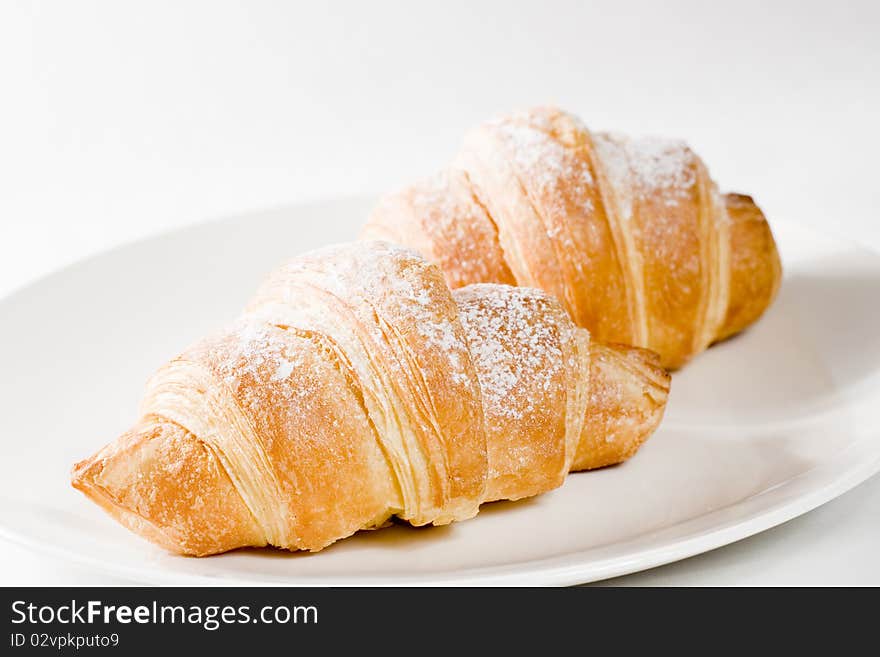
(120, 120)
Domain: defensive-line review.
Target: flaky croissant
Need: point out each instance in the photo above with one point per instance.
(357, 387)
(631, 236)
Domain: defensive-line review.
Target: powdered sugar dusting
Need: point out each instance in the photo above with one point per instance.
(516, 356)
(438, 331)
(255, 353)
(393, 283)
(719, 207)
(445, 203)
(434, 198)
(642, 168)
(543, 161)
(284, 369)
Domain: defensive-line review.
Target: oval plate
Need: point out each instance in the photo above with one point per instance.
(759, 429)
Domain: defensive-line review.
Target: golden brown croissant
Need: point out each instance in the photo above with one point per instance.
(631, 236)
(357, 387)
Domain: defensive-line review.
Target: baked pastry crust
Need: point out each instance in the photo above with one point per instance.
(631, 235)
(356, 387)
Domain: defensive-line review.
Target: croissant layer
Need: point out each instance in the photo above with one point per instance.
(630, 234)
(356, 387)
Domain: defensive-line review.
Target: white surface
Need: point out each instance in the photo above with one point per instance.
(120, 121)
(742, 448)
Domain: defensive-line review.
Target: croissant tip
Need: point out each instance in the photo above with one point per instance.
(737, 198)
(79, 474)
(649, 362)
(82, 478)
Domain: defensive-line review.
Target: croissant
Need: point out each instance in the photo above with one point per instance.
(631, 236)
(356, 387)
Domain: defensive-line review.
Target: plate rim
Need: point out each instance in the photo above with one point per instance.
(567, 570)
(837, 477)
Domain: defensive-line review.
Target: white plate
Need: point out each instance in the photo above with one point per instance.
(759, 429)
